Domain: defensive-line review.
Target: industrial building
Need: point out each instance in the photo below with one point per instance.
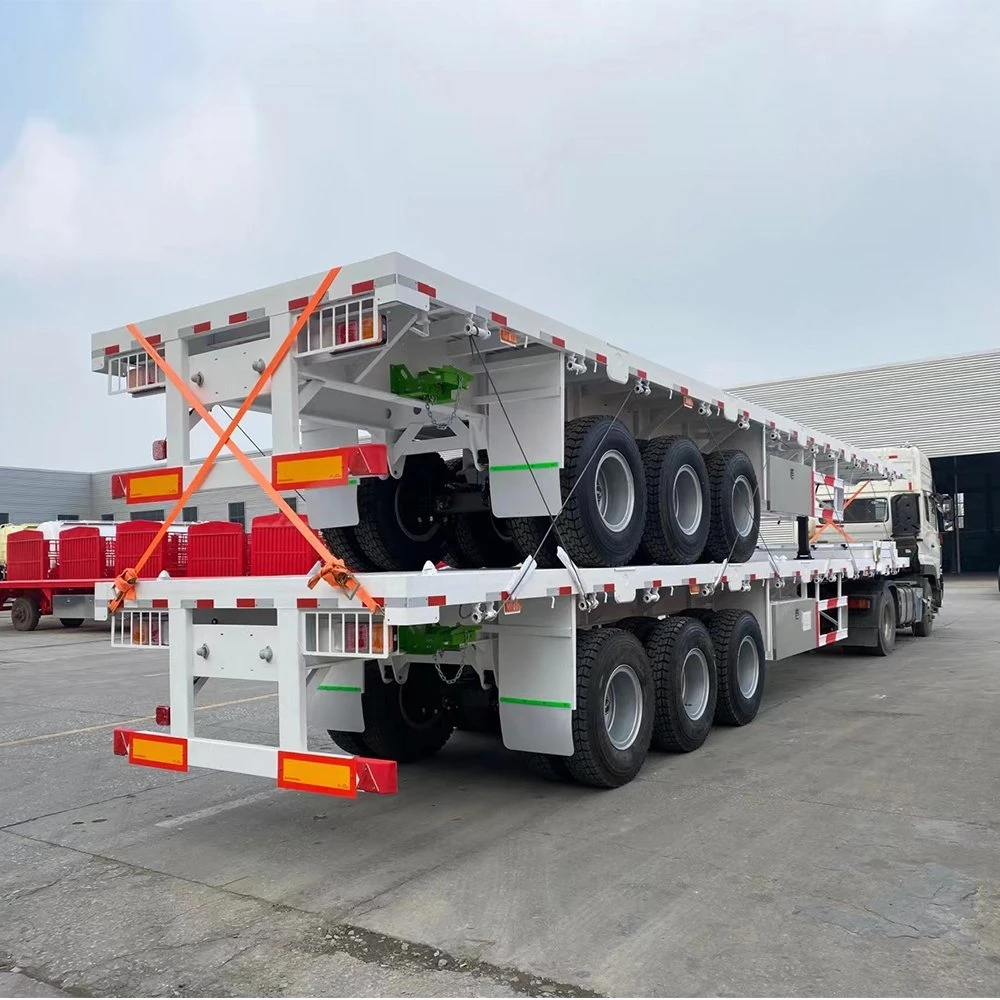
(35, 495)
(948, 407)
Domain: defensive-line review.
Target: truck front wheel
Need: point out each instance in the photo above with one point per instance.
(925, 625)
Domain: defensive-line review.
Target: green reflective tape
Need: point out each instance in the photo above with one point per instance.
(339, 687)
(535, 701)
(524, 466)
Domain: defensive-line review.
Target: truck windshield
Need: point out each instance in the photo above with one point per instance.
(867, 510)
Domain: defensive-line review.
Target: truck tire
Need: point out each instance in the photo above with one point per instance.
(885, 619)
(398, 530)
(735, 507)
(678, 502)
(343, 543)
(739, 660)
(683, 661)
(613, 718)
(604, 493)
(526, 534)
(71, 622)
(402, 723)
(923, 628)
(547, 766)
(480, 539)
(351, 743)
(25, 614)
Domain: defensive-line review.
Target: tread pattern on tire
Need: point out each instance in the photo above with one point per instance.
(378, 533)
(585, 765)
(574, 531)
(546, 766)
(660, 645)
(729, 706)
(350, 743)
(722, 541)
(527, 534)
(342, 543)
(657, 546)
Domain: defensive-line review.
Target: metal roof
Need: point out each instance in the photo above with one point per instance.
(944, 406)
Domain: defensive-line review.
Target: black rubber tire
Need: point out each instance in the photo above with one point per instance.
(526, 535)
(639, 626)
(71, 622)
(547, 766)
(885, 617)
(586, 538)
(729, 630)
(725, 469)
(668, 645)
(351, 743)
(923, 628)
(482, 540)
(389, 733)
(25, 614)
(381, 537)
(343, 543)
(664, 541)
(596, 761)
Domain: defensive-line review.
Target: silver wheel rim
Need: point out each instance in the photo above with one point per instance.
(688, 501)
(742, 506)
(694, 684)
(614, 491)
(622, 706)
(413, 536)
(747, 667)
(887, 622)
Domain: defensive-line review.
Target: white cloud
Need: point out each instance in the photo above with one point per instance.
(188, 177)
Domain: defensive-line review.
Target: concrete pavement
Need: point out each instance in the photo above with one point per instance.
(847, 842)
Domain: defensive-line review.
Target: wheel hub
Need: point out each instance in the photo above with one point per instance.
(747, 667)
(614, 491)
(695, 684)
(623, 706)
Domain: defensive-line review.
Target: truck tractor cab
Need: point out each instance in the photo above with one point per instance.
(906, 511)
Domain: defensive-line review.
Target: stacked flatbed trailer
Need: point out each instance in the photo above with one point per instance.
(543, 534)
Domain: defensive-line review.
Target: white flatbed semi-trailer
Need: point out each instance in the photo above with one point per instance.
(584, 574)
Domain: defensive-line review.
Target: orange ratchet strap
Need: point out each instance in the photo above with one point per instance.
(333, 570)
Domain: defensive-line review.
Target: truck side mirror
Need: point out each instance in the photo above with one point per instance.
(946, 509)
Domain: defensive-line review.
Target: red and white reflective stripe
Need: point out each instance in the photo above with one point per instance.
(330, 774)
(830, 637)
(829, 604)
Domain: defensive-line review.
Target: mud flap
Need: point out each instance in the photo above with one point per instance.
(526, 444)
(537, 676)
(335, 698)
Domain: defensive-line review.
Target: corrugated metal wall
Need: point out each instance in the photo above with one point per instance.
(33, 495)
(948, 406)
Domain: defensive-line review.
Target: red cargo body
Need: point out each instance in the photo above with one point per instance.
(216, 548)
(30, 556)
(278, 549)
(84, 554)
(131, 539)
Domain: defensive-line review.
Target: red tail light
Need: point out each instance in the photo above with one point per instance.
(859, 603)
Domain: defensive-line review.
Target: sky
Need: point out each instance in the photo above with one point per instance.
(740, 189)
